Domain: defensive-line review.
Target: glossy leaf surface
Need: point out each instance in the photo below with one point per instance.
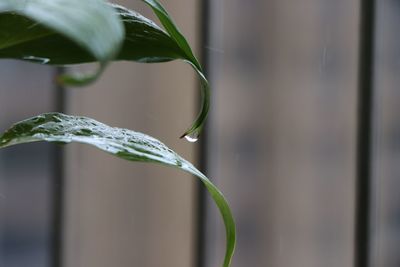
(144, 41)
(126, 144)
(91, 24)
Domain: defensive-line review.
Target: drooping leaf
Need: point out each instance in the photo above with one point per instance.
(90, 24)
(126, 144)
(193, 132)
(21, 37)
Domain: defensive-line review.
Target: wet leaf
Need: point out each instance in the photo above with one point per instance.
(126, 144)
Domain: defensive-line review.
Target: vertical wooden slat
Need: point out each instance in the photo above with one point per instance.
(200, 239)
(364, 133)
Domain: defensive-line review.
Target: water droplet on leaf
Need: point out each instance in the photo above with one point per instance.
(192, 137)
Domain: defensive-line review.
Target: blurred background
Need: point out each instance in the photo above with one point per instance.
(280, 143)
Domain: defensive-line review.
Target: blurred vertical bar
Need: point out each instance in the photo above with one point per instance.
(385, 223)
(364, 133)
(200, 239)
(58, 184)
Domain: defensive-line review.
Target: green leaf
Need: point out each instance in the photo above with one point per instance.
(126, 144)
(21, 37)
(193, 132)
(144, 41)
(91, 24)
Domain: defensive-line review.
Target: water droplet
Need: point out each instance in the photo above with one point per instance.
(41, 60)
(192, 137)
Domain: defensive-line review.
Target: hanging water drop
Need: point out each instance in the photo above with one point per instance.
(192, 138)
